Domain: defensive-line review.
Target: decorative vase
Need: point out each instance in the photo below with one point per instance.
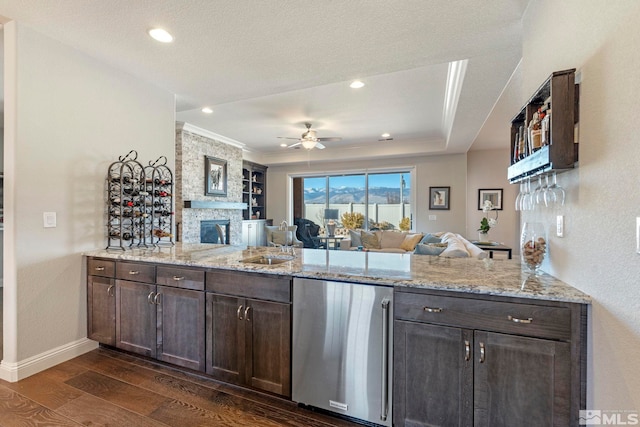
(533, 245)
(483, 237)
(331, 228)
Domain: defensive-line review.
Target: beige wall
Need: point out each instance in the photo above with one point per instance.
(597, 255)
(488, 169)
(430, 171)
(67, 117)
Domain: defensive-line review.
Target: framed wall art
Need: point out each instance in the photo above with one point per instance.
(494, 195)
(215, 176)
(439, 198)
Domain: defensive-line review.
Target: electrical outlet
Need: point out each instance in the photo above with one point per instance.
(560, 226)
(432, 217)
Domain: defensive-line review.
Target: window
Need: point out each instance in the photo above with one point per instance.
(384, 198)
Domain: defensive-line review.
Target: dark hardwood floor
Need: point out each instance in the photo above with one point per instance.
(109, 388)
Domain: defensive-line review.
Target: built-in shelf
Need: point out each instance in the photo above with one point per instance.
(203, 204)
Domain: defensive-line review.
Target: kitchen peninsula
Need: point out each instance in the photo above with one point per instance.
(504, 344)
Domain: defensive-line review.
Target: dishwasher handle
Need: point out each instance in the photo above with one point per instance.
(385, 360)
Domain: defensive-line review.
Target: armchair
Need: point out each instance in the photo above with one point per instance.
(277, 237)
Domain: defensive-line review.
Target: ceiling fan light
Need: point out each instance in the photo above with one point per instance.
(308, 144)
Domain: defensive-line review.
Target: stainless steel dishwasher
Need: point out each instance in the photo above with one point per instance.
(342, 353)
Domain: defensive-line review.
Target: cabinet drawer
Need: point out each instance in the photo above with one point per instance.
(186, 278)
(136, 272)
(100, 267)
(522, 319)
(250, 285)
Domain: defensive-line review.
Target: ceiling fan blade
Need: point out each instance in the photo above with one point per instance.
(286, 137)
(335, 138)
(296, 144)
(319, 146)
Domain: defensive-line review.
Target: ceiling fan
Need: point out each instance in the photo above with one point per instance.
(309, 140)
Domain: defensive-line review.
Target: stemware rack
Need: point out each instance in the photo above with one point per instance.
(139, 203)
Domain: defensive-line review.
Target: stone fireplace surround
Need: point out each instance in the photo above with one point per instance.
(192, 145)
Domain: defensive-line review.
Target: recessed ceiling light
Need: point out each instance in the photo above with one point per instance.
(356, 84)
(207, 110)
(283, 145)
(161, 35)
(385, 135)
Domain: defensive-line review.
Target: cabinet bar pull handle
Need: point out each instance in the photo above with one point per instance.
(246, 314)
(178, 278)
(150, 297)
(110, 290)
(156, 300)
(99, 268)
(134, 272)
(482, 353)
(467, 350)
(432, 310)
(384, 411)
(240, 312)
(516, 320)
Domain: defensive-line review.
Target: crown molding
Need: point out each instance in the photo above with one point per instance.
(187, 127)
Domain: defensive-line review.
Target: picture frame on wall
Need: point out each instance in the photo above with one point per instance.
(215, 176)
(439, 198)
(492, 194)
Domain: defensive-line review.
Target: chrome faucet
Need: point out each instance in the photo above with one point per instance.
(284, 226)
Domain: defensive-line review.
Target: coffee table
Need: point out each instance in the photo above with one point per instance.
(490, 247)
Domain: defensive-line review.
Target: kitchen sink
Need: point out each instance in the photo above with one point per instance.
(269, 259)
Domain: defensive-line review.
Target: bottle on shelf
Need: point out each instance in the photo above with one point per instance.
(534, 132)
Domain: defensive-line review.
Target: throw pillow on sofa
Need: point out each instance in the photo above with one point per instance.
(355, 238)
(369, 240)
(410, 241)
(282, 237)
(391, 239)
(430, 238)
(429, 249)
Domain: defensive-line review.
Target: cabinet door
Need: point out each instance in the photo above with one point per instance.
(101, 313)
(521, 381)
(225, 337)
(180, 327)
(268, 346)
(136, 317)
(432, 375)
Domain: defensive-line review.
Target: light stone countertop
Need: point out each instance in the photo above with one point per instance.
(470, 275)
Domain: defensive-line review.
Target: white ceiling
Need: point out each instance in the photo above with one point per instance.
(266, 67)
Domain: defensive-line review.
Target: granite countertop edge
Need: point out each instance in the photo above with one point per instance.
(504, 278)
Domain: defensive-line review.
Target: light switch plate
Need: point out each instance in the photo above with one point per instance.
(560, 226)
(49, 219)
(638, 234)
(432, 217)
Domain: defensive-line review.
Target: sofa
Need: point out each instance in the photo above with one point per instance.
(391, 241)
(444, 244)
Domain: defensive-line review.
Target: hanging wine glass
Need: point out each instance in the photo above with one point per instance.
(524, 201)
(556, 194)
(519, 196)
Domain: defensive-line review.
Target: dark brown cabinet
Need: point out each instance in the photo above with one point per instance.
(160, 316)
(249, 330)
(101, 301)
(462, 362)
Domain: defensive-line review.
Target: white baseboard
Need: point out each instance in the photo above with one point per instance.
(14, 372)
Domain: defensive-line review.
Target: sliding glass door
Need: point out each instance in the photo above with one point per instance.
(383, 199)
